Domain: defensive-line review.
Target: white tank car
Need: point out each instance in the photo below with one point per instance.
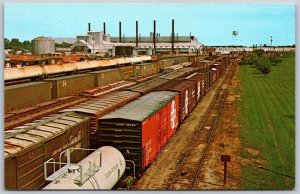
(14, 73)
(93, 176)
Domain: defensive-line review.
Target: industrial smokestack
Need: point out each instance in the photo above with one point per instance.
(136, 34)
(89, 27)
(173, 35)
(120, 32)
(154, 34)
(104, 29)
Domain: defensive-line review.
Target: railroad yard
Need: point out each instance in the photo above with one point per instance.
(206, 115)
(100, 111)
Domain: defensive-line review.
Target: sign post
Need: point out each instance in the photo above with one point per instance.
(225, 159)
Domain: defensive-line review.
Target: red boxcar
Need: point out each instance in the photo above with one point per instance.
(141, 128)
(187, 97)
(201, 65)
(199, 80)
(214, 74)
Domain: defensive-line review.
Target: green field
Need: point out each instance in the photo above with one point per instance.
(267, 119)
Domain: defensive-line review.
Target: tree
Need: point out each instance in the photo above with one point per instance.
(259, 52)
(266, 69)
(27, 45)
(63, 45)
(263, 64)
(250, 59)
(16, 45)
(275, 60)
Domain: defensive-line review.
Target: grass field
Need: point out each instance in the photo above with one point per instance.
(267, 119)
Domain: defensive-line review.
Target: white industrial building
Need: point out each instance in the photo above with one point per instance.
(99, 43)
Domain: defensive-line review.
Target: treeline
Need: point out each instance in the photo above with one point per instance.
(261, 61)
(63, 45)
(16, 45)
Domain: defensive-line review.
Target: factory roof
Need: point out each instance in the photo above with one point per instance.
(149, 39)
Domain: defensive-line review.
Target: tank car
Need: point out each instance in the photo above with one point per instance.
(102, 169)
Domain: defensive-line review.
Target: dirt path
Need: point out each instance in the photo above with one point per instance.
(162, 169)
(226, 140)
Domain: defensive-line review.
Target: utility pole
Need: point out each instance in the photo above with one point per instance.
(173, 35)
(271, 43)
(136, 34)
(120, 32)
(271, 40)
(154, 33)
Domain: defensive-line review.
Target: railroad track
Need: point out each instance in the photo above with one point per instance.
(19, 117)
(187, 173)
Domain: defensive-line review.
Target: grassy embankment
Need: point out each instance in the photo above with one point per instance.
(267, 118)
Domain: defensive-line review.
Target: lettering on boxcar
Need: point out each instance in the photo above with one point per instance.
(186, 101)
(173, 114)
(74, 140)
(193, 93)
(198, 95)
(148, 148)
(126, 125)
(64, 83)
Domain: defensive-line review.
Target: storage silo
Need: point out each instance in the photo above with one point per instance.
(43, 45)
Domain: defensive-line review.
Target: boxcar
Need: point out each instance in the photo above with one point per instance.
(162, 64)
(214, 74)
(68, 85)
(27, 94)
(144, 69)
(126, 72)
(199, 84)
(187, 98)
(106, 76)
(208, 77)
(27, 147)
(183, 59)
(142, 127)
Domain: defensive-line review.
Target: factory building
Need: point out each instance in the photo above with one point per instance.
(93, 42)
(100, 43)
(183, 44)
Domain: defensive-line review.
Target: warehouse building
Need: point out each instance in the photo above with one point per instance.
(99, 43)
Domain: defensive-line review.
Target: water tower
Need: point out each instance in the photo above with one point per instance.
(234, 34)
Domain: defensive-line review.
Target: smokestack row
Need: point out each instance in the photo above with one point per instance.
(137, 33)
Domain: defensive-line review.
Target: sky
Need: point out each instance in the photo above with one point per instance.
(211, 24)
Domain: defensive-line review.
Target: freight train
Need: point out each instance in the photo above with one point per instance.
(38, 72)
(41, 71)
(138, 120)
(60, 85)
